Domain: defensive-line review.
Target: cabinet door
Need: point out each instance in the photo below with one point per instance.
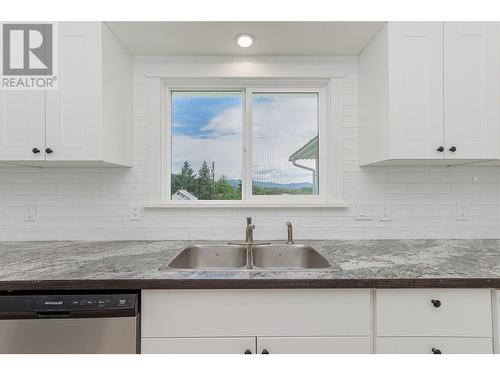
(472, 89)
(433, 345)
(434, 312)
(313, 345)
(74, 110)
(22, 125)
(205, 345)
(265, 312)
(415, 70)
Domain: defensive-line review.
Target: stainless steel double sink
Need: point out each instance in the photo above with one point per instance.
(269, 256)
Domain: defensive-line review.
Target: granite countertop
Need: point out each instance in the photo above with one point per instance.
(142, 265)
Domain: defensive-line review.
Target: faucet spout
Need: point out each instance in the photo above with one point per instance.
(249, 233)
(249, 236)
(290, 233)
(249, 223)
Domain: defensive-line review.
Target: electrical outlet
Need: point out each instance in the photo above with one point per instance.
(364, 212)
(30, 213)
(386, 214)
(135, 212)
(462, 212)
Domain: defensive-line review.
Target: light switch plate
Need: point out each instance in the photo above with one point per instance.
(30, 213)
(135, 212)
(462, 212)
(386, 213)
(364, 212)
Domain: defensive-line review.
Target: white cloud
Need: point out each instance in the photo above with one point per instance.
(227, 123)
(225, 151)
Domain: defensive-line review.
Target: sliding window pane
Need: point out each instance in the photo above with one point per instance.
(206, 145)
(285, 144)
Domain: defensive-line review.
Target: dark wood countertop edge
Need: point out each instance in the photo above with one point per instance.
(137, 284)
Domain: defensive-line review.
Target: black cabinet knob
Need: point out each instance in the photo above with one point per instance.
(436, 302)
(440, 149)
(36, 150)
(48, 150)
(452, 149)
(265, 351)
(248, 351)
(436, 351)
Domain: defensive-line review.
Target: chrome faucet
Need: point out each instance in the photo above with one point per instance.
(290, 233)
(249, 230)
(249, 233)
(249, 236)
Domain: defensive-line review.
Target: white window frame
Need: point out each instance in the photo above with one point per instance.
(330, 113)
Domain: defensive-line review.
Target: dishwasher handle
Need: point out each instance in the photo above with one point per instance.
(53, 314)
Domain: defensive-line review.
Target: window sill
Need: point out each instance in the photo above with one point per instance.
(245, 205)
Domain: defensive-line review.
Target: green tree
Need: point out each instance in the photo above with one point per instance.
(225, 191)
(187, 178)
(204, 182)
(175, 183)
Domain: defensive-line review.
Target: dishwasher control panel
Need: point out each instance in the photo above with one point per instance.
(84, 302)
(79, 305)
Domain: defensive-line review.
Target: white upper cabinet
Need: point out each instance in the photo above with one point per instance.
(74, 110)
(22, 131)
(472, 89)
(429, 94)
(88, 119)
(415, 82)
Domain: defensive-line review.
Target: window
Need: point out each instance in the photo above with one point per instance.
(253, 142)
(206, 145)
(285, 144)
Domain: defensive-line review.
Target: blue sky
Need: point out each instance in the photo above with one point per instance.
(190, 114)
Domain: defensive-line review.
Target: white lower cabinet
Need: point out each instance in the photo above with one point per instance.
(203, 345)
(278, 321)
(320, 321)
(439, 321)
(433, 345)
(496, 320)
(434, 312)
(256, 312)
(256, 345)
(313, 345)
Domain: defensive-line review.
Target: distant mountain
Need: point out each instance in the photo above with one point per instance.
(270, 184)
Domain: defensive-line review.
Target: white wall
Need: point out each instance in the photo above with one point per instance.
(94, 204)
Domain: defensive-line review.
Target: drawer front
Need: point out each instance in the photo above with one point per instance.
(207, 345)
(410, 312)
(424, 345)
(314, 345)
(263, 312)
(496, 312)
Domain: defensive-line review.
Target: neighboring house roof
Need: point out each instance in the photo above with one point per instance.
(186, 194)
(308, 151)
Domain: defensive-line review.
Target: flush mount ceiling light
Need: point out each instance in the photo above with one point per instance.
(245, 40)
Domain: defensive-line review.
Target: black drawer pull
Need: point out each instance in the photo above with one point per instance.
(436, 303)
(265, 351)
(436, 351)
(248, 351)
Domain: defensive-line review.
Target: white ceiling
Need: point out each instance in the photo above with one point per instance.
(272, 38)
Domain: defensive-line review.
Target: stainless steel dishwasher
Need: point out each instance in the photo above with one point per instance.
(69, 323)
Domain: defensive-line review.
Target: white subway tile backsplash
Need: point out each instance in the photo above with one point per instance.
(72, 188)
(34, 189)
(94, 203)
